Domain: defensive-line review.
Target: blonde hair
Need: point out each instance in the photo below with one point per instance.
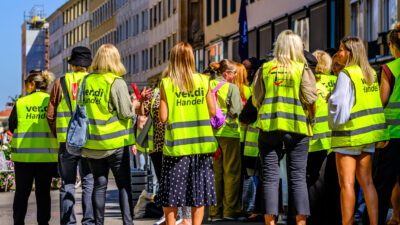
(42, 78)
(288, 48)
(240, 79)
(108, 60)
(181, 67)
(358, 56)
(324, 62)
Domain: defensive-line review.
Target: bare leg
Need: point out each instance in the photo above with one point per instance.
(396, 203)
(197, 215)
(364, 177)
(269, 219)
(170, 215)
(346, 166)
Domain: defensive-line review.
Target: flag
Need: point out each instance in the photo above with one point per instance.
(243, 41)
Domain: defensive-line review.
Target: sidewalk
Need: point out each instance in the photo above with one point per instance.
(112, 214)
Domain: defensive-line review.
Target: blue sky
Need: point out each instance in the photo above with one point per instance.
(11, 20)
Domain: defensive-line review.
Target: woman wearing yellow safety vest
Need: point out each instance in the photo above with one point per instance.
(320, 142)
(357, 121)
(187, 173)
(388, 160)
(110, 132)
(34, 148)
(278, 90)
(227, 163)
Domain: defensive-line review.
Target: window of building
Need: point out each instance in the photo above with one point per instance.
(164, 50)
(72, 13)
(159, 12)
(76, 11)
(86, 5)
(169, 46)
(373, 12)
(174, 41)
(137, 24)
(151, 18)
(224, 8)
(233, 6)
(151, 57)
(169, 7)
(209, 12)
(155, 15)
(216, 10)
(87, 30)
(390, 16)
(174, 6)
(164, 7)
(155, 55)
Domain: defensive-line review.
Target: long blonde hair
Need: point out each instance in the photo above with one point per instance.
(181, 67)
(358, 55)
(108, 60)
(288, 48)
(324, 62)
(240, 79)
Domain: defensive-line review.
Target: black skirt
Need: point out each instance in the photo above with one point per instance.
(187, 181)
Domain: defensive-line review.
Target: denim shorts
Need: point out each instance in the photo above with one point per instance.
(370, 148)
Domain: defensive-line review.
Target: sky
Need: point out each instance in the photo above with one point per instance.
(11, 19)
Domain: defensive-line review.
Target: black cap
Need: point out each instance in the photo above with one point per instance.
(311, 60)
(80, 56)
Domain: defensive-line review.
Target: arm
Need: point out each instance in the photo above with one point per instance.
(120, 100)
(13, 120)
(55, 99)
(163, 112)
(385, 88)
(308, 91)
(210, 103)
(341, 101)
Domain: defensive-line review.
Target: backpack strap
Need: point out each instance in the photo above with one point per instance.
(65, 93)
(215, 90)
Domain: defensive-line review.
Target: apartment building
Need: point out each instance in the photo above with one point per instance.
(148, 30)
(103, 23)
(372, 20)
(133, 39)
(56, 43)
(320, 23)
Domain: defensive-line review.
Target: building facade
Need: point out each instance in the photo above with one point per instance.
(320, 23)
(371, 20)
(103, 27)
(56, 43)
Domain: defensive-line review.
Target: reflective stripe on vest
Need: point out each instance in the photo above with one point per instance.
(32, 139)
(106, 130)
(231, 126)
(367, 124)
(282, 109)
(251, 140)
(63, 115)
(321, 140)
(189, 130)
(392, 109)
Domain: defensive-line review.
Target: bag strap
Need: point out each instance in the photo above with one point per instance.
(81, 91)
(65, 93)
(218, 86)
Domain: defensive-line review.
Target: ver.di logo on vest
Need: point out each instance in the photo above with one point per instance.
(93, 96)
(36, 112)
(193, 98)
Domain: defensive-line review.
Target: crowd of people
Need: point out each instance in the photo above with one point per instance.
(231, 138)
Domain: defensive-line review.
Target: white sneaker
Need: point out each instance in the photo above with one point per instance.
(178, 221)
(160, 221)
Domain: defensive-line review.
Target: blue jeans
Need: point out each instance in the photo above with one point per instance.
(67, 166)
(119, 164)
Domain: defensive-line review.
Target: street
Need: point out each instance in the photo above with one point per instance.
(112, 214)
